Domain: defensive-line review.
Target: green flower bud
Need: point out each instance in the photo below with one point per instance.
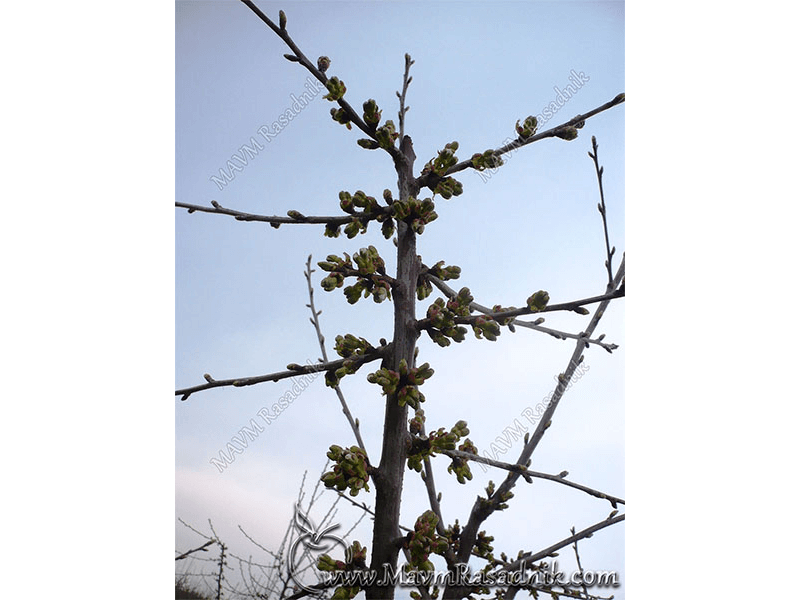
(372, 116)
(567, 133)
(538, 301)
(368, 144)
(528, 127)
(387, 229)
(332, 231)
(323, 62)
(336, 89)
(386, 135)
(340, 116)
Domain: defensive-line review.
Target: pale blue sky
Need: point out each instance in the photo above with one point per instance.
(240, 292)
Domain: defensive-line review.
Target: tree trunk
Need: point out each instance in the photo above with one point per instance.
(389, 479)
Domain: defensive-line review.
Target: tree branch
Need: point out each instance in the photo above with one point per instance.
(201, 548)
(354, 425)
(426, 323)
(602, 208)
(298, 370)
(428, 178)
(562, 335)
(586, 533)
(526, 474)
(276, 221)
(483, 508)
(318, 74)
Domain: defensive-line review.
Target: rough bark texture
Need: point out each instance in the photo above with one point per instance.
(389, 479)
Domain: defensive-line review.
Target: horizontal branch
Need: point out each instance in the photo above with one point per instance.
(526, 474)
(562, 335)
(297, 371)
(426, 323)
(217, 209)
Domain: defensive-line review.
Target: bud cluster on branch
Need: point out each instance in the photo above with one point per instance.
(437, 442)
(349, 470)
(369, 272)
(423, 542)
(355, 560)
(403, 383)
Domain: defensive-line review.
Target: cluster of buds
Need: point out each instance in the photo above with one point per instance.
(445, 159)
(460, 467)
(448, 187)
(497, 308)
(349, 345)
(486, 327)
(487, 160)
(483, 546)
(443, 327)
(370, 274)
(423, 542)
(417, 213)
(372, 115)
(437, 442)
(349, 203)
(363, 208)
(355, 560)
(351, 348)
(490, 496)
(404, 383)
(538, 301)
(349, 470)
(340, 116)
(424, 287)
(336, 89)
(386, 135)
(528, 127)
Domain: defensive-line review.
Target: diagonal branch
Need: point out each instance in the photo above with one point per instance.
(428, 178)
(317, 73)
(483, 508)
(529, 559)
(526, 474)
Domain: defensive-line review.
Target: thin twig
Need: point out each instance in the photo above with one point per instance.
(602, 208)
(354, 424)
(403, 108)
(578, 559)
(201, 548)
